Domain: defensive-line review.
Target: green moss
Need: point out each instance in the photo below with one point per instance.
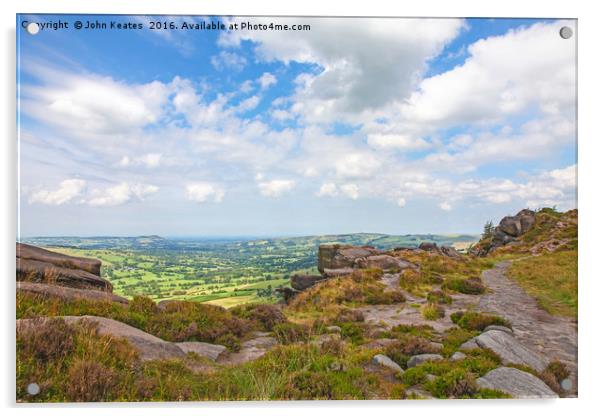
(475, 321)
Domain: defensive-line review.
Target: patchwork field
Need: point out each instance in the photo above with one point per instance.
(226, 272)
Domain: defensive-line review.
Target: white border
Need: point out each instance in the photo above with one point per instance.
(590, 70)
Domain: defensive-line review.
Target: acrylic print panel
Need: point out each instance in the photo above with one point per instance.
(291, 208)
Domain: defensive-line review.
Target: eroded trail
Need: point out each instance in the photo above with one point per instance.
(553, 336)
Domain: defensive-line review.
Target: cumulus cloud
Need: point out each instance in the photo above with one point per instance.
(88, 105)
(351, 190)
(120, 194)
(445, 206)
(266, 80)
(149, 160)
(397, 141)
(204, 192)
(328, 189)
(228, 60)
(401, 202)
(365, 63)
(276, 187)
(66, 192)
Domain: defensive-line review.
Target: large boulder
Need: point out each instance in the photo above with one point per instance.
(36, 264)
(338, 256)
(383, 262)
(511, 227)
(302, 282)
(38, 271)
(203, 349)
(26, 251)
(68, 293)
(517, 383)
(149, 347)
(422, 358)
(510, 350)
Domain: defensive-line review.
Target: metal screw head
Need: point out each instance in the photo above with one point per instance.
(33, 28)
(566, 384)
(33, 388)
(566, 32)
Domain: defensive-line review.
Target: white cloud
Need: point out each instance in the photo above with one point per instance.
(276, 187)
(87, 105)
(204, 192)
(149, 160)
(328, 189)
(67, 191)
(366, 63)
(502, 75)
(120, 194)
(445, 206)
(357, 165)
(228, 61)
(351, 190)
(266, 80)
(401, 202)
(397, 141)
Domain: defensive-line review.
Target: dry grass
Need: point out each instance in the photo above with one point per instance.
(551, 279)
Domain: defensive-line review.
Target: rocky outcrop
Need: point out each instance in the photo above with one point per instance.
(516, 383)
(302, 282)
(28, 252)
(339, 256)
(508, 231)
(68, 293)
(35, 264)
(337, 259)
(443, 250)
(510, 350)
(149, 347)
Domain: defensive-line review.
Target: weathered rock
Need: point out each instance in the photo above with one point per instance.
(427, 246)
(149, 347)
(337, 272)
(450, 252)
(422, 358)
(457, 356)
(339, 256)
(380, 343)
(287, 293)
(471, 344)
(383, 262)
(517, 383)
(321, 339)
(68, 293)
(499, 328)
(385, 361)
(28, 252)
(333, 328)
(203, 349)
(302, 282)
(42, 272)
(250, 350)
(510, 349)
(436, 346)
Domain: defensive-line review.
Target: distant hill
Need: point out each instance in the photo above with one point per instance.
(150, 242)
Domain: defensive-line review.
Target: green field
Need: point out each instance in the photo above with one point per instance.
(226, 272)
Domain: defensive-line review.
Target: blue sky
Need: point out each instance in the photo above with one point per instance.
(357, 125)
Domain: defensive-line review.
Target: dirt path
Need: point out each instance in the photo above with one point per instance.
(553, 336)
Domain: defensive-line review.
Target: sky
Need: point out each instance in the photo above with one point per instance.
(384, 125)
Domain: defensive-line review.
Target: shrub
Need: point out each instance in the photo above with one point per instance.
(353, 332)
(349, 315)
(47, 339)
(438, 296)
(472, 321)
(90, 382)
(229, 341)
(308, 385)
(289, 332)
(554, 374)
(143, 305)
(432, 311)
(457, 383)
(416, 345)
(470, 286)
(265, 314)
